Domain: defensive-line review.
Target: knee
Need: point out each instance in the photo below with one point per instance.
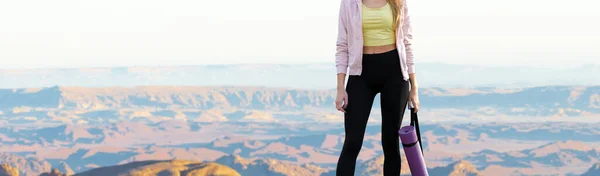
(390, 142)
(390, 136)
(352, 145)
(391, 152)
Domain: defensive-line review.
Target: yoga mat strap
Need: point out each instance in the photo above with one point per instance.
(410, 145)
(414, 121)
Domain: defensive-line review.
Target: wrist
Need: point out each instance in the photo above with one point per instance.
(414, 90)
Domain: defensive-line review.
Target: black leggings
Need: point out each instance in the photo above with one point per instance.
(381, 73)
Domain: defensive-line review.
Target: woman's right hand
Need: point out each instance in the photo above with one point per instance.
(341, 101)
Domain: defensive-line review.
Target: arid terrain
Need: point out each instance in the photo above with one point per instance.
(191, 130)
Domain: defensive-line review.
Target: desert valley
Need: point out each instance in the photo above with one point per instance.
(550, 130)
(254, 120)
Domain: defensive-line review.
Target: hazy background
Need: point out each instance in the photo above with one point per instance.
(507, 87)
(86, 33)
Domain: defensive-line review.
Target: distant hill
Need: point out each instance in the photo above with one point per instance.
(593, 171)
(166, 101)
(459, 168)
(555, 154)
(24, 166)
(493, 147)
(269, 167)
(163, 167)
(235, 165)
(141, 168)
(313, 76)
(374, 167)
(54, 172)
(8, 170)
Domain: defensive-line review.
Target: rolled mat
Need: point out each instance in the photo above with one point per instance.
(410, 137)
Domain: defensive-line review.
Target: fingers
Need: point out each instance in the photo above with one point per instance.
(416, 105)
(343, 107)
(340, 107)
(345, 102)
(413, 104)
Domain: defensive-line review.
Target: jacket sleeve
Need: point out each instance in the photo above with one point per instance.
(341, 55)
(407, 28)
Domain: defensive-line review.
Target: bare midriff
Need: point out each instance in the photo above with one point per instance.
(378, 49)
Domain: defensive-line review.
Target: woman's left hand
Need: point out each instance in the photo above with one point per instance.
(413, 99)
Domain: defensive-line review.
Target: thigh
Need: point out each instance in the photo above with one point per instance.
(360, 102)
(394, 100)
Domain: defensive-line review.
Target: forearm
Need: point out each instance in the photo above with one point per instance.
(413, 81)
(410, 62)
(341, 79)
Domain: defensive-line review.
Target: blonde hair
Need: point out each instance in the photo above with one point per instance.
(396, 11)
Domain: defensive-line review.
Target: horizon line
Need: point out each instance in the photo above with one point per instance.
(287, 88)
(248, 64)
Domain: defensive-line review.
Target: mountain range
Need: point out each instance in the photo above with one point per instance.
(208, 104)
(298, 76)
(493, 147)
(233, 165)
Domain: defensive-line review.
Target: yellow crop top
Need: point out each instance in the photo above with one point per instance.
(377, 26)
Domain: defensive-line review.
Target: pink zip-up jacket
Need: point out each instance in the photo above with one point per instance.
(350, 40)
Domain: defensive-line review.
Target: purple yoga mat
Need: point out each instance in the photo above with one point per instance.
(412, 150)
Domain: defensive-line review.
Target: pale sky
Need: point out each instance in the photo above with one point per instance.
(91, 33)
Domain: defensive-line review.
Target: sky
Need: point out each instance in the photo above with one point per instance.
(91, 33)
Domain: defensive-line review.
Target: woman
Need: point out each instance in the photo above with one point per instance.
(374, 44)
